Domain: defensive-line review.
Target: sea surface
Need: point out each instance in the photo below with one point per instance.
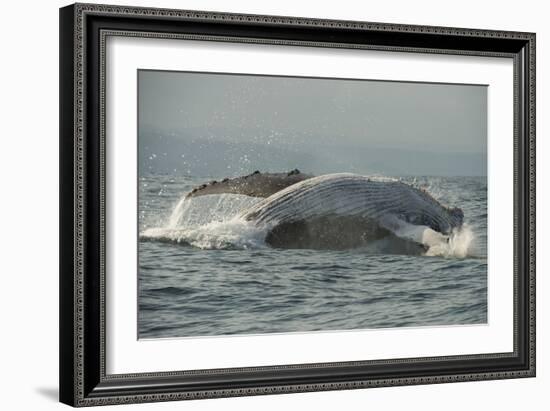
(204, 272)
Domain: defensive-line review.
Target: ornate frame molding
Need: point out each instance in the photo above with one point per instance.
(83, 378)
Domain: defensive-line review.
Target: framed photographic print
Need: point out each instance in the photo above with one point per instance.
(261, 204)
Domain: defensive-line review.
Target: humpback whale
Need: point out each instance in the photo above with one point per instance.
(340, 211)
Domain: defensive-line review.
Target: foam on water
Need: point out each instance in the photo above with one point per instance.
(231, 234)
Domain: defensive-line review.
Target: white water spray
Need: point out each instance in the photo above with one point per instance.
(210, 222)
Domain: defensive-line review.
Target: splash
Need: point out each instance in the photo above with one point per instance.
(194, 212)
(460, 244)
(210, 222)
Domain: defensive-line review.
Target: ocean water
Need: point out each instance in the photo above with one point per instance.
(202, 271)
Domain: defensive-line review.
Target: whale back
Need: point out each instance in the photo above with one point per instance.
(350, 195)
(254, 185)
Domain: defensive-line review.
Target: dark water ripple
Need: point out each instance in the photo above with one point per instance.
(185, 291)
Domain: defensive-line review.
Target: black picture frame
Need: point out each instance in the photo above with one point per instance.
(83, 29)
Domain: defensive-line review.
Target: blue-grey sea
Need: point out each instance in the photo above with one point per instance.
(202, 272)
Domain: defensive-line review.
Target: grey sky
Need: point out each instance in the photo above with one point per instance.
(325, 124)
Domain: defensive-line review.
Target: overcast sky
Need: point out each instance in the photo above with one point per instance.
(440, 125)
